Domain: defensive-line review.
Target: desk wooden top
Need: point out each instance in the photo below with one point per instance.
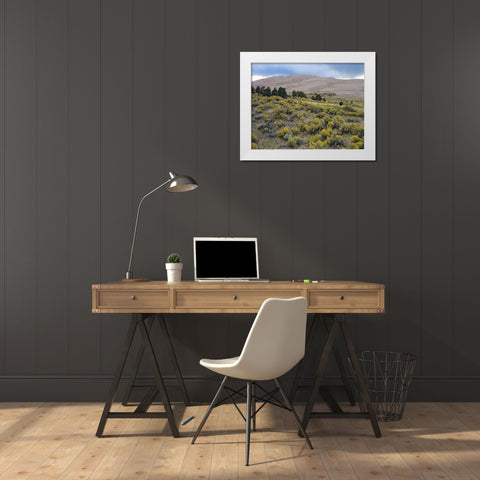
(234, 297)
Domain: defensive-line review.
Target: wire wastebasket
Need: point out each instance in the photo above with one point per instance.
(387, 376)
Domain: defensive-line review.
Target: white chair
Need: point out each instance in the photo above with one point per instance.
(275, 344)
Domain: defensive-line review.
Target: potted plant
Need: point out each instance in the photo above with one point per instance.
(174, 268)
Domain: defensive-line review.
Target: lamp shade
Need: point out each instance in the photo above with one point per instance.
(181, 183)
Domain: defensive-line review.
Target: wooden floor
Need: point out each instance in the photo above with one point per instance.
(57, 441)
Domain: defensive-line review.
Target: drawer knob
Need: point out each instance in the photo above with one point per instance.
(133, 297)
(235, 297)
(341, 297)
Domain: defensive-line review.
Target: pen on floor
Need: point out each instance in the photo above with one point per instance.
(187, 420)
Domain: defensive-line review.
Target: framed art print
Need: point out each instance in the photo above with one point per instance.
(307, 106)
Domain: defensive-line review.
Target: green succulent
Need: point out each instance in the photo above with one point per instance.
(174, 258)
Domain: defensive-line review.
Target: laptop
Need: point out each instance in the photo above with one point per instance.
(226, 259)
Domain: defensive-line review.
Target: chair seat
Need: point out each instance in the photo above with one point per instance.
(218, 363)
(231, 367)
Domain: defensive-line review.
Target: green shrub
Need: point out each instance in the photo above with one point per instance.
(316, 142)
(315, 125)
(336, 141)
(282, 132)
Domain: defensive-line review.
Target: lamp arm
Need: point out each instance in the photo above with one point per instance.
(136, 223)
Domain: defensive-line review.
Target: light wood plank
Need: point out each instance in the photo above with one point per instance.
(197, 461)
(169, 462)
(11, 413)
(60, 459)
(333, 457)
(226, 450)
(350, 437)
(15, 440)
(309, 463)
(95, 449)
(119, 453)
(278, 451)
(445, 436)
(140, 463)
(68, 419)
(381, 456)
(57, 442)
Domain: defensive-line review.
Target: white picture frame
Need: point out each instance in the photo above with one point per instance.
(250, 61)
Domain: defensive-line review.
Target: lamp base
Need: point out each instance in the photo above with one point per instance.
(135, 280)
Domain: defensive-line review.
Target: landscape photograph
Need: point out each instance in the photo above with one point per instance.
(307, 106)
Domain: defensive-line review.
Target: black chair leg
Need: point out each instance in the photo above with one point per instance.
(248, 421)
(250, 414)
(254, 408)
(210, 408)
(290, 406)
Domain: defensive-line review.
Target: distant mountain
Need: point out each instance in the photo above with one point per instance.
(351, 88)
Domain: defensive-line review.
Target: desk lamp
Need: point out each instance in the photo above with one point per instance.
(176, 183)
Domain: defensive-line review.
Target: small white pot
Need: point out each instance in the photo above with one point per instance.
(174, 272)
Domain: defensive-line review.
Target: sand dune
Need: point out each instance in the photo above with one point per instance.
(352, 88)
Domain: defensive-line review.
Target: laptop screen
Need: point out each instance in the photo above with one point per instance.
(221, 258)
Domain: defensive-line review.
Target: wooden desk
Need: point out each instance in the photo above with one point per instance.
(149, 298)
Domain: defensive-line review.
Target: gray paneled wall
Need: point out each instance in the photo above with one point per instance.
(100, 98)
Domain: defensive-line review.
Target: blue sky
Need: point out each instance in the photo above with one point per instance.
(334, 70)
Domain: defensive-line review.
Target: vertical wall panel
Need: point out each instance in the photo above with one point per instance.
(129, 89)
(276, 239)
(181, 154)
(212, 118)
(308, 178)
(149, 168)
(181, 126)
(84, 184)
(20, 186)
(340, 222)
(148, 135)
(244, 180)
(212, 89)
(116, 163)
(52, 187)
(437, 186)
(372, 177)
(2, 188)
(340, 177)
(404, 287)
(466, 175)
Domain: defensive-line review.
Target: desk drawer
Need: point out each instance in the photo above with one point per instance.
(132, 299)
(339, 299)
(220, 299)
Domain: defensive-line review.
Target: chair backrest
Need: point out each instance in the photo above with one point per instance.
(276, 341)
